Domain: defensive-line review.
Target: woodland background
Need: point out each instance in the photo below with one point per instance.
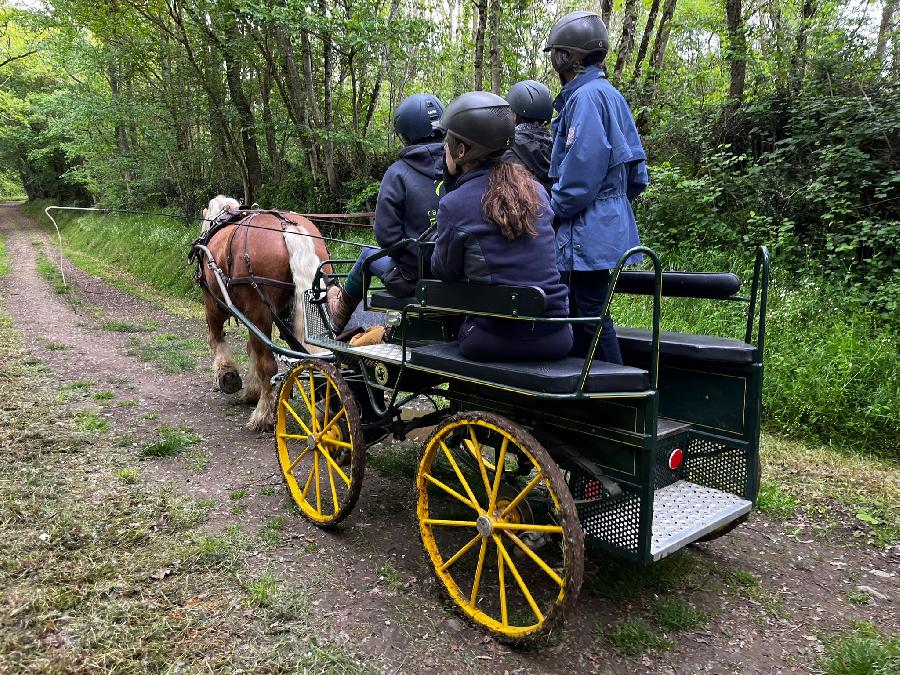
(765, 121)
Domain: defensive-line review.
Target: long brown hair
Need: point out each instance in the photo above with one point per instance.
(512, 201)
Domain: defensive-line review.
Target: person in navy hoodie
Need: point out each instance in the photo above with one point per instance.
(406, 206)
(598, 167)
(496, 227)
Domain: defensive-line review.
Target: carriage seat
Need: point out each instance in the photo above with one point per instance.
(550, 377)
(707, 348)
(384, 301)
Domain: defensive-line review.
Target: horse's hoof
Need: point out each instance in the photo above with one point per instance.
(261, 425)
(230, 382)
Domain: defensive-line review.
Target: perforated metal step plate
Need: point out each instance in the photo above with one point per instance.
(683, 512)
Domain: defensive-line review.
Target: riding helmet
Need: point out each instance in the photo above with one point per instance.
(481, 120)
(574, 37)
(415, 116)
(531, 100)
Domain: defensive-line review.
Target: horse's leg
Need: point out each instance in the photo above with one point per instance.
(262, 367)
(253, 384)
(225, 370)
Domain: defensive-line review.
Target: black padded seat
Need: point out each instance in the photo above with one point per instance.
(384, 300)
(550, 377)
(683, 345)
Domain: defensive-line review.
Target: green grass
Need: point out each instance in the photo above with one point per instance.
(675, 614)
(620, 580)
(57, 346)
(169, 353)
(125, 327)
(197, 459)
(50, 271)
(855, 597)
(262, 591)
(634, 637)
(4, 259)
(863, 651)
(775, 502)
(387, 573)
(127, 474)
(88, 420)
(399, 459)
(105, 395)
(234, 495)
(129, 403)
(170, 441)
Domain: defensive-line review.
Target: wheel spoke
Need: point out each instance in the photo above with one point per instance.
(450, 491)
(478, 571)
(528, 527)
(515, 573)
(303, 454)
(318, 488)
(327, 399)
(461, 552)
(519, 497)
(312, 411)
(334, 496)
(449, 523)
(294, 437)
(504, 618)
(297, 417)
(340, 444)
(501, 457)
(475, 449)
(312, 400)
(459, 475)
(308, 483)
(331, 423)
(334, 465)
(536, 558)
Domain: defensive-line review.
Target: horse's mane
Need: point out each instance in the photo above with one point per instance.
(217, 206)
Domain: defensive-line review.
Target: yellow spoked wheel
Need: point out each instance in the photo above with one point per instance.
(499, 526)
(320, 442)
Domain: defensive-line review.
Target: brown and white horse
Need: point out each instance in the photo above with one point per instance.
(275, 252)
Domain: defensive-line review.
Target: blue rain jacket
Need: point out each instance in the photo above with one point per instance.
(598, 166)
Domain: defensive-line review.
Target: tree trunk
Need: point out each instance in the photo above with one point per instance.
(495, 46)
(626, 40)
(120, 130)
(606, 11)
(266, 78)
(657, 58)
(885, 29)
(645, 40)
(327, 67)
(478, 80)
(737, 51)
(798, 59)
(379, 76)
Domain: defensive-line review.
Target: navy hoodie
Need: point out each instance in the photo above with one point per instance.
(408, 199)
(470, 248)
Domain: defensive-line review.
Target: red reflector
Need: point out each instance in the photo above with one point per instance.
(675, 458)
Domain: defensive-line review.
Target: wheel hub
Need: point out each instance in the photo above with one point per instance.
(311, 441)
(484, 526)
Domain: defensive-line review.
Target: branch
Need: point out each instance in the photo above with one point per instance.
(10, 59)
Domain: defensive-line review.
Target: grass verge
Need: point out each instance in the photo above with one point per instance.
(862, 651)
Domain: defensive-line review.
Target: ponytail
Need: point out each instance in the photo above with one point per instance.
(511, 200)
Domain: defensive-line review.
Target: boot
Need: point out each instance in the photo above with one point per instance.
(340, 306)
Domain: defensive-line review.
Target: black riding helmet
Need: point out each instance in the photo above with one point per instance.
(531, 100)
(574, 37)
(415, 116)
(481, 120)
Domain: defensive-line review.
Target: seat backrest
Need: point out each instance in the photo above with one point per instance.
(707, 285)
(488, 298)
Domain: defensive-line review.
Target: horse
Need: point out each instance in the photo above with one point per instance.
(276, 249)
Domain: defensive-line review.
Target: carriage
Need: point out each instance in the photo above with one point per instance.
(524, 461)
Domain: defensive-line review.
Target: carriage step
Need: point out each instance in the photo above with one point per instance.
(683, 512)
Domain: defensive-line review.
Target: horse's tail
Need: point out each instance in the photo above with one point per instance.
(303, 263)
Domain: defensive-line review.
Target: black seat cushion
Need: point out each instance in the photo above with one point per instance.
(384, 300)
(697, 347)
(551, 377)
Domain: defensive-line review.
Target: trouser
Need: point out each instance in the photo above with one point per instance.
(587, 292)
(354, 284)
(478, 344)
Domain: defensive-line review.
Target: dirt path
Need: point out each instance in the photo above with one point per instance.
(772, 597)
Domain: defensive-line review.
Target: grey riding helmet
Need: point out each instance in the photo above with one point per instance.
(415, 116)
(531, 100)
(574, 37)
(481, 120)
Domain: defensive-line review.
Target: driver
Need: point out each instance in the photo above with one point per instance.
(406, 207)
(496, 227)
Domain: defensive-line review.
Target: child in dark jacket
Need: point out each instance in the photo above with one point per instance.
(533, 107)
(406, 205)
(495, 227)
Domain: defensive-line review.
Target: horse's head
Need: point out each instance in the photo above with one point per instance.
(217, 206)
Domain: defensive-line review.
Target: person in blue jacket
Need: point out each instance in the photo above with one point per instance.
(405, 208)
(496, 227)
(598, 167)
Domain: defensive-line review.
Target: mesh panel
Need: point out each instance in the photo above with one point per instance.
(315, 324)
(614, 519)
(716, 465)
